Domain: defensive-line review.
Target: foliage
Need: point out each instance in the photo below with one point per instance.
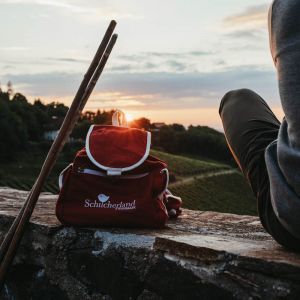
(22, 121)
(224, 193)
(13, 136)
(142, 123)
(196, 140)
(87, 119)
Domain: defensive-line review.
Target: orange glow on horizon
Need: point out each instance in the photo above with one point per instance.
(189, 116)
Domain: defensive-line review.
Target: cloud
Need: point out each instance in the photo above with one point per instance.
(152, 91)
(134, 63)
(178, 54)
(121, 68)
(161, 61)
(176, 65)
(253, 15)
(248, 26)
(53, 3)
(7, 67)
(14, 48)
(150, 65)
(67, 59)
(247, 34)
(199, 53)
(90, 11)
(165, 55)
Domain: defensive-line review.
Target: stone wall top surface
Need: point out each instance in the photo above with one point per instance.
(196, 234)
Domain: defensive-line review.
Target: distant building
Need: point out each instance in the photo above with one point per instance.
(52, 128)
(157, 126)
(50, 135)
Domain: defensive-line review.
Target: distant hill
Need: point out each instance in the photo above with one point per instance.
(185, 166)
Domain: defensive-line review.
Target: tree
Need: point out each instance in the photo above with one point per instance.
(141, 123)
(13, 136)
(9, 89)
(103, 117)
(178, 127)
(56, 109)
(24, 110)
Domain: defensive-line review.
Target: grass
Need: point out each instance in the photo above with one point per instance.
(228, 193)
(185, 166)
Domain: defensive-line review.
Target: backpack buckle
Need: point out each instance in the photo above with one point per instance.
(114, 172)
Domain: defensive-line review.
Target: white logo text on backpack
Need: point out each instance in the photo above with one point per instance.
(103, 202)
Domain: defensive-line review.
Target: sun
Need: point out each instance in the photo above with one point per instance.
(129, 117)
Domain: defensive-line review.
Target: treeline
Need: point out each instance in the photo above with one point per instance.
(22, 122)
(198, 141)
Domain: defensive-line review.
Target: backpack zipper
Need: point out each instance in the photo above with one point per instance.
(102, 174)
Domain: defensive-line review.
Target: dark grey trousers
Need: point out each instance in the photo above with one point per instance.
(250, 126)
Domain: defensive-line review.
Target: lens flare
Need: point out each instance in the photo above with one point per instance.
(129, 117)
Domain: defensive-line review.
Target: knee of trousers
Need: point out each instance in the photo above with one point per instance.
(233, 98)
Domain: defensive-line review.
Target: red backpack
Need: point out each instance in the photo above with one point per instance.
(114, 181)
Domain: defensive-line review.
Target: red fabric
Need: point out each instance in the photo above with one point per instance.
(117, 147)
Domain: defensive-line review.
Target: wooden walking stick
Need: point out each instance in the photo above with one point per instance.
(10, 243)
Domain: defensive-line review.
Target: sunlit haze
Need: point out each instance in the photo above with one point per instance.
(173, 61)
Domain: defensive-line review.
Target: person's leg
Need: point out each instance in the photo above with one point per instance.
(250, 126)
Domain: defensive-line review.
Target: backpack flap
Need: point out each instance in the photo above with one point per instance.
(117, 149)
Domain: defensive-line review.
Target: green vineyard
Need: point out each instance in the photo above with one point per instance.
(185, 166)
(22, 173)
(228, 193)
(25, 184)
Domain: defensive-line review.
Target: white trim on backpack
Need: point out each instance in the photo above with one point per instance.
(102, 174)
(61, 176)
(116, 171)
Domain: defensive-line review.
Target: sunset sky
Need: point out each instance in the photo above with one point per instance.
(173, 61)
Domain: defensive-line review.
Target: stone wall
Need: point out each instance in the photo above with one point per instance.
(203, 255)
